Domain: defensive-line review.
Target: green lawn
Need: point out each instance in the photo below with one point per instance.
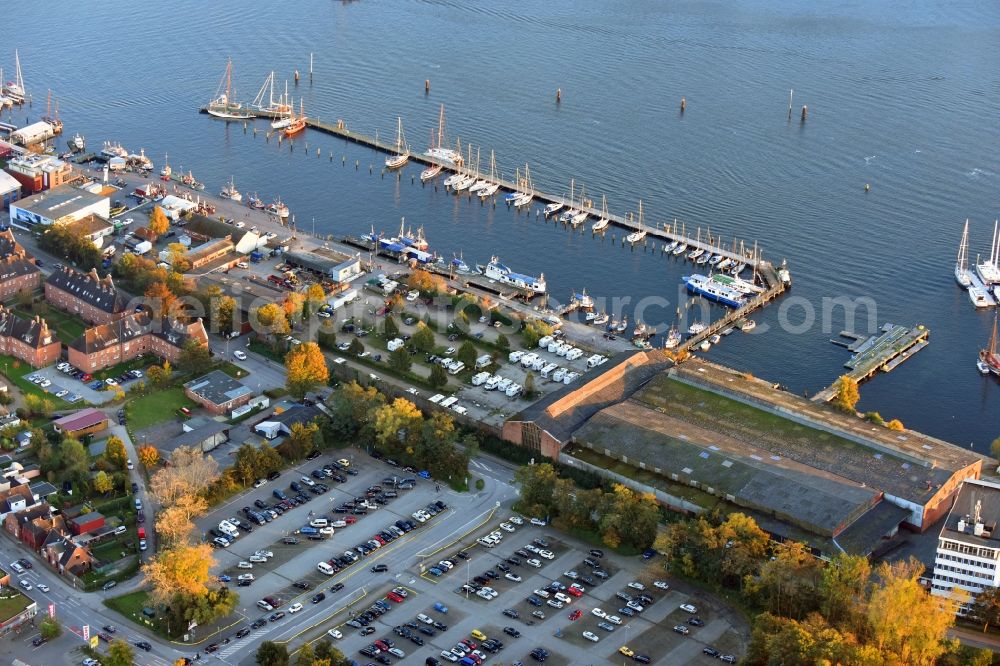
(156, 407)
(130, 606)
(231, 369)
(68, 327)
(112, 550)
(12, 602)
(15, 370)
(138, 363)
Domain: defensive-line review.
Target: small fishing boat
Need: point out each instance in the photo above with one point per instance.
(703, 259)
(230, 191)
(590, 317)
(641, 331)
(669, 247)
(705, 345)
(715, 259)
(459, 265)
(983, 368)
(255, 202)
(622, 325)
(715, 338)
(696, 328)
(278, 208)
(601, 319)
(583, 300)
(673, 338)
(612, 325)
(748, 325)
(724, 264)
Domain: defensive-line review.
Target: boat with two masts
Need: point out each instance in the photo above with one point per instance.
(230, 191)
(440, 150)
(222, 105)
(989, 357)
(297, 123)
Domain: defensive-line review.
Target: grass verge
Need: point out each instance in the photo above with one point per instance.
(148, 410)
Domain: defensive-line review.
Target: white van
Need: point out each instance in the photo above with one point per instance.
(448, 402)
(544, 342)
(480, 379)
(456, 368)
(558, 375)
(459, 409)
(492, 382)
(323, 567)
(562, 349)
(319, 522)
(515, 356)
(513, 390)
(436, 398)
(570, 377)
(483, 361)
(553, 346)
(227, 527)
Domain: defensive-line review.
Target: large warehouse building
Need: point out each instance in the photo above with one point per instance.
(802, 470)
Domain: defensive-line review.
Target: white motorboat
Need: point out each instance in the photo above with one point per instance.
(601, 319)
(504, 275)
(979, 298)
(673, 338)
(983, 368)
(680, 249)
(695, 253)
(705, 345)
(696, 328)
(748, 325)
(553, 208)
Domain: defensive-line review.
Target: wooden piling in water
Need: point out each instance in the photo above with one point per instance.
(558, 95)
(683, 104)
(427, 86)
(805, 112)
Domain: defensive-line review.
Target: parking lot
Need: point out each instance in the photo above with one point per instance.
(72, 385)
(413, 567)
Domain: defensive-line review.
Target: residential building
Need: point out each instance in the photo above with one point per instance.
(105, 345)
(10, 189)
(81, 423)
(17, 268)
(15, 499)
(94, 299)
(36, 172)
(218, 392)
(29, 340)
(67, 556)
(968, 550)
(64, 203)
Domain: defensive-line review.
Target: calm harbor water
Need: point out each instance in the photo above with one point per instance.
(901, 96)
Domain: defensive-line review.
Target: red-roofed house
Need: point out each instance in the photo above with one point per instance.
(81, 423)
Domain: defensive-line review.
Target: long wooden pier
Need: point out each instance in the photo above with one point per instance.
(663, 232)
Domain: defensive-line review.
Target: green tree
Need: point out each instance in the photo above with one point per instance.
(534, 330)
(50, 628)
(390, 327)
(400, 360)
(995, 448)
(305, 369)
(529, 385)
(843, 590)
(120, 653)
(102, 483)
(75, 461)
(467, 354)
(846, 394)
(745, 546)
(503, 342)
(272, 654)
(986, 608)
(305, 656)
(356, 347)
(789, 582)
(194, 356)
(398, 425)
(538, 484)
(115, 453)
(301, 441)
(423, 338)
(438, 377)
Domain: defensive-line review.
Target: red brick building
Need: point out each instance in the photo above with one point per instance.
(85, 522)
(29, 340)
(17, 269)
(108, 344)
(82, 423)
(39, 172)
(94, 299)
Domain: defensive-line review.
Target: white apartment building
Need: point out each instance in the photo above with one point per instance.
(968, 552)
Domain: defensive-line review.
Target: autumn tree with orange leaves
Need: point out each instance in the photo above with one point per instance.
(306, 368)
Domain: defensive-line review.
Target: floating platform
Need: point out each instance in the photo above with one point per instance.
(883, 352)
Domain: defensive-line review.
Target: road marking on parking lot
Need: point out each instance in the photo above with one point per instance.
(465, 532)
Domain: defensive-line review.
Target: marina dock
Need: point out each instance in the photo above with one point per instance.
(884, 352)
(663, 233)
